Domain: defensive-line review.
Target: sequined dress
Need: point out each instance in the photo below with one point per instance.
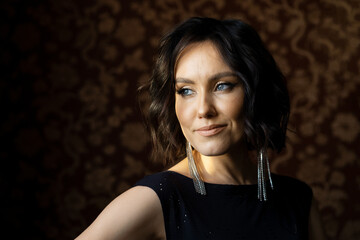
(229, 212)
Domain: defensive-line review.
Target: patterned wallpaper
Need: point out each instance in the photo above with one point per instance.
(72, 136)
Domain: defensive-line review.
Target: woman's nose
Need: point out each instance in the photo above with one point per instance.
(206, 108)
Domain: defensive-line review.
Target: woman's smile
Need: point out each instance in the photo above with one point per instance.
(210, 130)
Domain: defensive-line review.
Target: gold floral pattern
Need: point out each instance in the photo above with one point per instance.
(71, 129)
(346, 127)
(130, 32)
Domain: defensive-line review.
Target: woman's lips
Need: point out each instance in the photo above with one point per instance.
(211, 130)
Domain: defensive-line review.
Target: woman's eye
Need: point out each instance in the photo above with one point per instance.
(184, 92)
(224, 86)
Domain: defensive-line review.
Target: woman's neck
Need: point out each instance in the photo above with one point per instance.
(234, 167)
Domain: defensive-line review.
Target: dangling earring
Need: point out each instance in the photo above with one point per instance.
(198, 183)
(263, 162)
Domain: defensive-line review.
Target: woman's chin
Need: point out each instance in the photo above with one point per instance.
(212, 151)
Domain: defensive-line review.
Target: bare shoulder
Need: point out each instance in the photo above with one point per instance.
(137, 208)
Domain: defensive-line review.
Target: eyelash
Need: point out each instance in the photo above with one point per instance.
(228, 86)
(181, 91)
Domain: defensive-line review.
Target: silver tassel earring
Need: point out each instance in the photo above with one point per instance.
(198, 183)
(263, 162)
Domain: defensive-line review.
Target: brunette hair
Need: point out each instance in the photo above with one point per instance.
(266, 100)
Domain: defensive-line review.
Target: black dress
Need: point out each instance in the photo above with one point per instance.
(231, 211)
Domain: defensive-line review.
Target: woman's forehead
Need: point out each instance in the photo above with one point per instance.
(199, 57)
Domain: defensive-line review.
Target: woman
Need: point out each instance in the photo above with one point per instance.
(218, 99)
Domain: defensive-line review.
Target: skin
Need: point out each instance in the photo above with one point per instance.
(207, 94)
(137, 209)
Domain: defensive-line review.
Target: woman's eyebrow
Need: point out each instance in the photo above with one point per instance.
(215, 77)
(220, 75)
(184, 80)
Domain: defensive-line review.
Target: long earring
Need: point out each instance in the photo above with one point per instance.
(263, 162)
(198, 183)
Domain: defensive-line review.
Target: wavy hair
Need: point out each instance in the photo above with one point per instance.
(266, 101)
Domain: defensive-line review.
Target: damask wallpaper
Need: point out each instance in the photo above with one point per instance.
(72, 136)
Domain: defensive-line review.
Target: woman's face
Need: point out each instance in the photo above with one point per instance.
(209, 100)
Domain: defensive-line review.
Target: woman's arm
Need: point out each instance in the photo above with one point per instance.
(316, 231)
(135, 214)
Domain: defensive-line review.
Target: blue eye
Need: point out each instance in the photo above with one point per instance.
(185, 92)
(224, 86)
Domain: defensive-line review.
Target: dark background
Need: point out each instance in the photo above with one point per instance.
(71, 132)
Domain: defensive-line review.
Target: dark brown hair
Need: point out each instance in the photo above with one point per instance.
(266, 102)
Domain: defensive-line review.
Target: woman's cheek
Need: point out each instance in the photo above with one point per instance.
(183, 112)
